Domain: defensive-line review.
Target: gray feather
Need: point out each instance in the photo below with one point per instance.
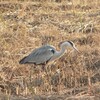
(39, 56)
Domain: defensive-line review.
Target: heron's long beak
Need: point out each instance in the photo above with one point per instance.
(76, 49)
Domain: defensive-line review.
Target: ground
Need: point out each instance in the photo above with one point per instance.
(28, 24)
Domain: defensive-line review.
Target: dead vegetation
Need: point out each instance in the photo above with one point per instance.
(26, 25)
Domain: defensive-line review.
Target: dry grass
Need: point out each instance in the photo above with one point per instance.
(26, 25)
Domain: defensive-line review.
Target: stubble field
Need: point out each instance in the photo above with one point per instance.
(26, 25)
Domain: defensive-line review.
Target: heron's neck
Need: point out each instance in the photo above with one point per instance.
(58, 54)
(62, 50)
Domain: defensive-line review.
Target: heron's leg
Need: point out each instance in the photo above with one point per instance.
(31, 72)
(50, 75)
(45, 69)
(48, 72)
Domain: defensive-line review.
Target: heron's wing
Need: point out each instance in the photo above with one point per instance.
(40, 55)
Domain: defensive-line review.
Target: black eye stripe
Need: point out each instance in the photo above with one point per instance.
(66, 41)
(70, 42)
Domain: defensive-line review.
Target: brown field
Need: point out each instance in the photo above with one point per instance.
(29, 24)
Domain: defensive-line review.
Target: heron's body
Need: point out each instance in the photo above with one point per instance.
(39, 56)
(45, 54)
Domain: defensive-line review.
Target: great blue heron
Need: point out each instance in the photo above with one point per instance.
(46, 54)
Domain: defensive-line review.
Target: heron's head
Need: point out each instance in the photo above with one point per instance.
(68, 44)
